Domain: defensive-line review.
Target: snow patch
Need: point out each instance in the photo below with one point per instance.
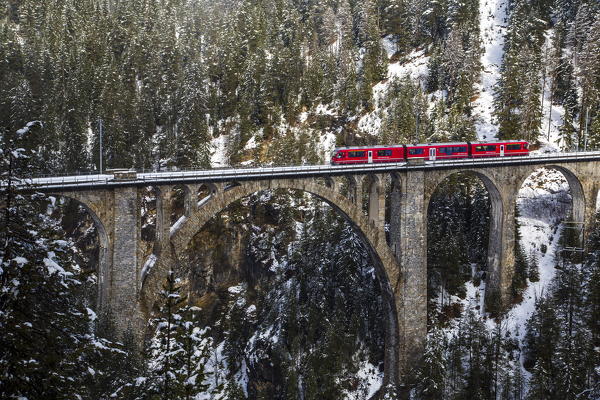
(218, 156)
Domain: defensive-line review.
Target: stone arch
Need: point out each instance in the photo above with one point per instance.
(497, 210)
(86, 201)
(180, 200)
(369, 189)
(387, 270)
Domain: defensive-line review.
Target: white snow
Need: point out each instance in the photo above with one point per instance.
(327, 144)
(543, 202)
(177, 225)
(20, 260)
(413, 66)
(389, 45)
(323, 109)
(148, 265)
(251, 143)
(370, 381)
(53, 266)
(218, 156)
(92, 315)
(235, 289)
(27, 127)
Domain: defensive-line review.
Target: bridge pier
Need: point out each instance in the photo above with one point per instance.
(501, 247)
(408, 236)
(125, 283)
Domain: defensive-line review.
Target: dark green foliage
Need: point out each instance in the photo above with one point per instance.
(522, 268)
(167, 77)
(49, 347)
(431, 379)
(406, 120)
(563, 332)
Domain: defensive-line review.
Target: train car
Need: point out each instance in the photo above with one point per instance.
(428, 152)
(437, 151)
(367, 154)
(506, 148)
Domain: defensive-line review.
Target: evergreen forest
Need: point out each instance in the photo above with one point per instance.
(277, 296)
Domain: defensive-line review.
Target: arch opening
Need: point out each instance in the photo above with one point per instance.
(550, 216)
(392, 210)
(464, 222)
(83, 227)
(205, 192)
(343, 209)
(149, 213)
(179, 197)
(283, 264)
(349, 188)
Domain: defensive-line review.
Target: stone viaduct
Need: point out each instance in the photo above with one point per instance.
(129, 281)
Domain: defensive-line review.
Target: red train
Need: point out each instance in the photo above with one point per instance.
(428, 152)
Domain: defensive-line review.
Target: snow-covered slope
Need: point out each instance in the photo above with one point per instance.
(492, 19)
(544, 201)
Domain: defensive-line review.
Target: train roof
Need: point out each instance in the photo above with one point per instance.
(379, 146)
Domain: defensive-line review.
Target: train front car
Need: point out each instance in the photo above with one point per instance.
(508, 148)
(336, 156)
(367, 155)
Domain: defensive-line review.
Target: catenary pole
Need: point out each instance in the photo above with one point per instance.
(100, 128)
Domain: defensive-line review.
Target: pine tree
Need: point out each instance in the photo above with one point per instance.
(167, 349)
(521, 271)
(432, 376)
(533, 272)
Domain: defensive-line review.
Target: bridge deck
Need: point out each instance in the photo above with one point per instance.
(241, 174)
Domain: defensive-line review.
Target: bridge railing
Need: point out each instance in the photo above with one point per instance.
(233, 172)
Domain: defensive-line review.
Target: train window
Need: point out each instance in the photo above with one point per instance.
(356, 154)
(415, 151)
(442, 149)
(513, 147)
(381, 153)
(461, 149)
(485, 148)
